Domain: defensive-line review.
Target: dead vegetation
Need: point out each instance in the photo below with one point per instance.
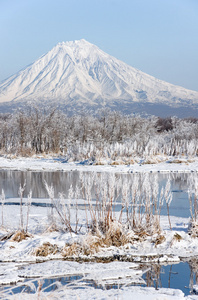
(116, 236)
(89, 246)
(6, 236)
(20, 236)
(159, 240)
(46, 249)
(136, 220)
(15, 236)
(177, 237)
(92, 243)
(138, 217)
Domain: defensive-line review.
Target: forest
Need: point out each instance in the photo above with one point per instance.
(108, 136)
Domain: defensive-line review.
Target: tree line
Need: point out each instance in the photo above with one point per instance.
(109, 135)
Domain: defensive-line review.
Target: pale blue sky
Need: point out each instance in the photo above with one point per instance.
(159, 37)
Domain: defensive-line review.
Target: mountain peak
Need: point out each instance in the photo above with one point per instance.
(77, 49)
(78, 75)
(81, 42)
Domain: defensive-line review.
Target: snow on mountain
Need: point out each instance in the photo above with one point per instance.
(78, 74)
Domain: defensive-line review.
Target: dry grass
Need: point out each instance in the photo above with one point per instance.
(92, 243)
(70, 250)
(20, 236)
(99, 163)
(118, 163)
(138, 220)
(89, 246)
(6, 236)
(177, 161)
(46, 249)
(116, 235)
(149, 162)
(177, 237)
(159, 240)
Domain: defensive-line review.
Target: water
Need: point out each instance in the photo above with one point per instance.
(178, 276)
(35, 181)
(61, 181)
(47, 285)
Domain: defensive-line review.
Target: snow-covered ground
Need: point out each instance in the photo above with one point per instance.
(18, 258)
(58, 164)
(146, 250)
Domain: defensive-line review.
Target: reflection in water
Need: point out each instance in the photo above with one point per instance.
(193, 264)
(181, 276)
(152, 277)
(177, 276)
(35, 181)
(61, 181)
(46, 285)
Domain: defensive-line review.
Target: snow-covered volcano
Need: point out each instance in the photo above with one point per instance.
(78, 75)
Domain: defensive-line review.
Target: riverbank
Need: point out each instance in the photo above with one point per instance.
(48, 252)
(41, 163)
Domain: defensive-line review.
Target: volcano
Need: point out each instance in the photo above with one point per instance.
(79, 77)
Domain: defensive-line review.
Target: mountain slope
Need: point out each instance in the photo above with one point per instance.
(79, 75)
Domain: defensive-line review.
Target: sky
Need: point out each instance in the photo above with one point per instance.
(158, 37)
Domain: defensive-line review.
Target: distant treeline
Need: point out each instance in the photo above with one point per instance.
(110, 135)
